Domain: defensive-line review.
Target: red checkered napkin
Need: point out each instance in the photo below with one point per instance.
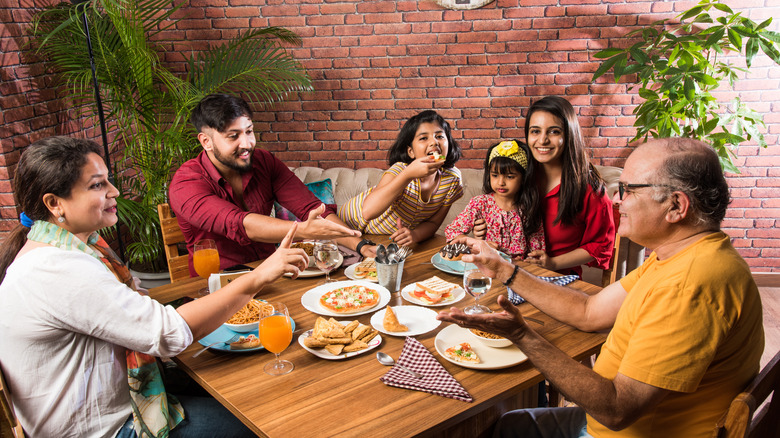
(435, 380)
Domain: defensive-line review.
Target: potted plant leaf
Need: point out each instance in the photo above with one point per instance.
(677, 64)
(147, 104)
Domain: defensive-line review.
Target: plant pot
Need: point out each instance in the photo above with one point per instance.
(152, 279)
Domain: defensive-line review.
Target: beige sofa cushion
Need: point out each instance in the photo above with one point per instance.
(348, 183)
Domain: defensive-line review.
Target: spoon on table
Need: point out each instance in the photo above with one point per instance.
(385, 359)
(381, 254)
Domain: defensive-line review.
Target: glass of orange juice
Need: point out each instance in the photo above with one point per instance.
(205, 260)
(275, 333)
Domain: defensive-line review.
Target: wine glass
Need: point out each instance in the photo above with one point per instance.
(326, 257)
(205, 260)
(476, 284)
(275, 333)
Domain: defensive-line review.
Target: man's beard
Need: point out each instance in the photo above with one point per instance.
(233, 164)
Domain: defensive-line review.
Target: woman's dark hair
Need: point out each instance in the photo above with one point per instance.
(405, 138)
(51, 165)
(527, 198)
(217, 111)
(577, 172)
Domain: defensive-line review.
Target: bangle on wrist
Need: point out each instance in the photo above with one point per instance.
(361, 244)
(512, 277)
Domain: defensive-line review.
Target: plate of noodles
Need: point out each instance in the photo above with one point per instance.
(246, 319)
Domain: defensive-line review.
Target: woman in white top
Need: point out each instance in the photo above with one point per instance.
(72, 323)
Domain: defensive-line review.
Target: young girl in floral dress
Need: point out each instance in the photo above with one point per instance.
(508, 207)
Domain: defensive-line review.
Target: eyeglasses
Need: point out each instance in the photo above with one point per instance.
(623, 187)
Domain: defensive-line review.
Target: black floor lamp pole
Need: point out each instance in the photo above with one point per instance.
(102, 118)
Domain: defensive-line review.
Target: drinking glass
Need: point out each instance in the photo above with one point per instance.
(275, 333)
(205, 260)
(476, 284)
(326, 257)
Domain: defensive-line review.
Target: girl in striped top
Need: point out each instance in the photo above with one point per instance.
(416, 192)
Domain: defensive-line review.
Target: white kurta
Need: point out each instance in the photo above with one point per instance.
(65, 328)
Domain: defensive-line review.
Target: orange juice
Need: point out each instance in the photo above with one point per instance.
(206, 262)
(275, 333)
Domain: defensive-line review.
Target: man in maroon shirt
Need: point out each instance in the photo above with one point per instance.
(226, 193)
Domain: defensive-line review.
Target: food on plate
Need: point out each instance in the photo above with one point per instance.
(462, 353)
(350, 299)
(391, 323)
(245, 343)
(366, 269)
(454, 251)
(306, 246)
(487, 335)
(433, 290)
(337, 338)
(252, 312)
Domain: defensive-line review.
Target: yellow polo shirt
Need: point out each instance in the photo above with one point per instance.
(691, 324)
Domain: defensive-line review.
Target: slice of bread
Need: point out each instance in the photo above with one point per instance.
(364, 268)
(435, 288)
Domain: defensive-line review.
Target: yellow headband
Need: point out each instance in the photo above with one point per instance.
(510, 149)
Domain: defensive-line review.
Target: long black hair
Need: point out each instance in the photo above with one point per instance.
(51, 165)
(576, 171)
(398, 151)
(527, 198)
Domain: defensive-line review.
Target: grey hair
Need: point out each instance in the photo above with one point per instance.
(693, 167)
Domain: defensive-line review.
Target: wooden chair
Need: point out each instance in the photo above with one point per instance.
(740, 420)
(626, 256)
(9, 417)
(178, 266)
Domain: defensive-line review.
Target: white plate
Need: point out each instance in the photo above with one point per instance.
(324, 354)
(456, 267)
(314, 271)
(491, 358)
(456, 295)
(311, 299)
(419, 320)
(350, 273)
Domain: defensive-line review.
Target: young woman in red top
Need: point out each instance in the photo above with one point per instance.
(577, 213)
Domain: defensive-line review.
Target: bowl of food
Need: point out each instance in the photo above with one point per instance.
(247, 319)
(490, 339)
(308, 246)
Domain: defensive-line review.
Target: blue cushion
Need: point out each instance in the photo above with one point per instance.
(323, 190)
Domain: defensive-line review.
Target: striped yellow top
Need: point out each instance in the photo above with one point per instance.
(408, 206)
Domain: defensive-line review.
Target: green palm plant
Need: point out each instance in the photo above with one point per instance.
(147, 104)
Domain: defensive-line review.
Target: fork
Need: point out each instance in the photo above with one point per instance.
(229, 341)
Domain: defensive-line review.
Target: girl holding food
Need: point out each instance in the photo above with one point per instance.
(416, 192)
(509, 203)
(79, 342)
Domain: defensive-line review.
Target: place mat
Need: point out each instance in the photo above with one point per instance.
(436, 379)
(562, 280)
(350, 257)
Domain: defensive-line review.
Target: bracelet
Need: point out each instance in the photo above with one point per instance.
(361, 244)
(512, 277)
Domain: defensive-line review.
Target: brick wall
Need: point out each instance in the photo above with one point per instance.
(375, 63)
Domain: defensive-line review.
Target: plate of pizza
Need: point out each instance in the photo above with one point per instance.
(340, 298)
(458, 346)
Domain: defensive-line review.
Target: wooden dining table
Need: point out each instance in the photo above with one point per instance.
(346, 397)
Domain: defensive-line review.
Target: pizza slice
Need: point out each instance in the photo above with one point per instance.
(462, 353)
